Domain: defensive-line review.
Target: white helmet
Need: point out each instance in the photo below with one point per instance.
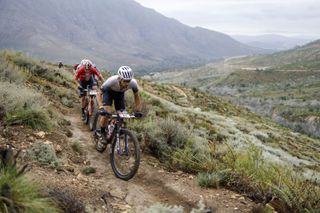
(85, 61)
(125, 73)
(88, 64)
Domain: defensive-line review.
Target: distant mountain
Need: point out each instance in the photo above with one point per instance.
(110, 32)
(273, 41)
(306, 57)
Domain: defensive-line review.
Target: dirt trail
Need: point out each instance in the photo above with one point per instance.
(152, 184)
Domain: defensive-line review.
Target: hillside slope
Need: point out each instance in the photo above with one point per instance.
(112, 32)
(283, 85)
(188, 138)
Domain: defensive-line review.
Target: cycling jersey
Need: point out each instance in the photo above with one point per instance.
(112, 83)
(85, 75)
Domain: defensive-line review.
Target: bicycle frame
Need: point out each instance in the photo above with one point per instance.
(124, 144)
(89, 99)
(119, 124)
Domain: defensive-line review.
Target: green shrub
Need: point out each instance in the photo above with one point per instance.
(250, 173)
(89, 170)
(44, 153)
(67, 201)
(67, 102)
(213, 180)
(33, 118)
(165, 136)
(195, 157)
(76, 146)
(9, 72)
(18, 97)
(19, 194)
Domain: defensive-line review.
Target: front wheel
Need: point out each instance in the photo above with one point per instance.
(125, 155)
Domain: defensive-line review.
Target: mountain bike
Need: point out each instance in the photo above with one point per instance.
(124, 149)
(90, 106)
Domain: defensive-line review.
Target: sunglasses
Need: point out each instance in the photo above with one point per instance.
(126, 81)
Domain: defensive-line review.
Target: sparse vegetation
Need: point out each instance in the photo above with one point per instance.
(25, 87)
(89, 170)
(76, 146)
(44, 153)
(67, 201)
(17, 192)
(209, 152)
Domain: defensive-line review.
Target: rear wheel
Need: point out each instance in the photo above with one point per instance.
(125, 159)
(86, 112)
(94, 112)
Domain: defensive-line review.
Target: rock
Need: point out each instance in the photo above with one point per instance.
(80, 177)
(234, 197)
(31, 139)
(58, 148)
(179, 172)
(48, 142)
(40, 134)
(191, 177)
(68, 133)
(69, 168)
(242, 198)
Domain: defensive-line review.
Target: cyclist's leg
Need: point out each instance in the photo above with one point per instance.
(107, 105)
(82, 95)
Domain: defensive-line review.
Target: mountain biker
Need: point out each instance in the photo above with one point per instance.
(83, 76)
(82, 63)
(112, 90)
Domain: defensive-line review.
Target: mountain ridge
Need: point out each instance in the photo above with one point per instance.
(111, 33)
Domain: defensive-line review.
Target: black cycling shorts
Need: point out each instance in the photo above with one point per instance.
(84, 85)
(110, 96)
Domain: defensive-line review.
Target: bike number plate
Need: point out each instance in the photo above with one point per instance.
(124, 115)
(93, 92)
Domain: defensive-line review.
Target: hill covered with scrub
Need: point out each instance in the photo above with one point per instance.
(283, 85)
(191, 134)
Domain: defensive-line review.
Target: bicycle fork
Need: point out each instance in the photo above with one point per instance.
(120, 149)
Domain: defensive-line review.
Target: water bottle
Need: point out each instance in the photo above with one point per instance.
(110, 130)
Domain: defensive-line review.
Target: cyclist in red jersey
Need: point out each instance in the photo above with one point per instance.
(84, 77)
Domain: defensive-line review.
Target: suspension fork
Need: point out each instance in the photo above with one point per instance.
(120, 149)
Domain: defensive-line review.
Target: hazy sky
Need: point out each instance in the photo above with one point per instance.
(250, 17)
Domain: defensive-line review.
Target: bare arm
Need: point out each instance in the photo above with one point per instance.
(99, 99)
(137, 101)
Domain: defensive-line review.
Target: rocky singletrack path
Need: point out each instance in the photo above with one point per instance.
(152, 184)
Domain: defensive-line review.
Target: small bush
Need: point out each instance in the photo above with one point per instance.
(89, 170)
(207, 180)
(44, 153)
(76, 146)
(35, 119)
(67, 201)
(22, 195)
(17, 192)
(18, 97)
(195, 157)
(67, 102)
(249, 173)
(165, 136)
